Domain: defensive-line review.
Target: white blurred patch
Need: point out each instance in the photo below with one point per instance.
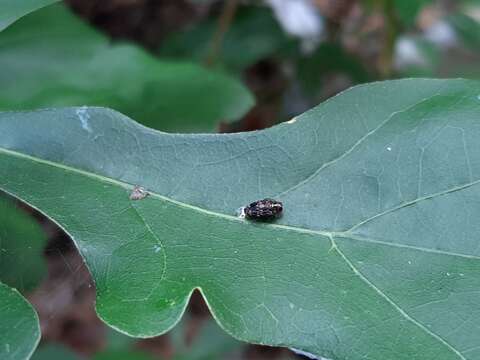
(473, 10)
(442, 34)
(304, 353)
(241, 212)
(407, 53)
(299, 18)
(84, 117)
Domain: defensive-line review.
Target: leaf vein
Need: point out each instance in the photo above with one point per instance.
(354, 147)
(413, 202)
(405, 246)
(391, 302)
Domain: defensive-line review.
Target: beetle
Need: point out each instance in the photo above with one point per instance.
(263, 210)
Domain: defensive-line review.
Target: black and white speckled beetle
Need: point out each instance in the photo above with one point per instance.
(263, 210)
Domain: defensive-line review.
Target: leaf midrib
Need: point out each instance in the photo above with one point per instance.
(329, 234)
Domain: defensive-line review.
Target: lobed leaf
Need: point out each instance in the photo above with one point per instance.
(377, 254)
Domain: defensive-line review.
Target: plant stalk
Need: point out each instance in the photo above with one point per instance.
(224, 22)
(386, 60)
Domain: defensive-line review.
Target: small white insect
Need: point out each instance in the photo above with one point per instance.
(138, 193)
(84, 117)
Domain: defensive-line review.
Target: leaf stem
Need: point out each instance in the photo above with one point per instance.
(224, 22)
(390, 37)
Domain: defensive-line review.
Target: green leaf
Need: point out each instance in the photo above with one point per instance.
(327, 59)
(45, 70)
(376, 256)
(210, 343)
(408, 10)
(122, 355)
(241, 47)
(118, 342)
(21, 244)
(19, 328)
(468, 30)
(54, 352)
(12, 10)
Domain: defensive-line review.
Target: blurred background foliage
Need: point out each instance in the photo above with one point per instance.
(195, 66)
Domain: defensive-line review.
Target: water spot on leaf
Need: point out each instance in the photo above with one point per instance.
(84, 117)
(157, 248)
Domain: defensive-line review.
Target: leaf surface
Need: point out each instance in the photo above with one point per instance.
(377, 254)
(12, 10)
(19, 328)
